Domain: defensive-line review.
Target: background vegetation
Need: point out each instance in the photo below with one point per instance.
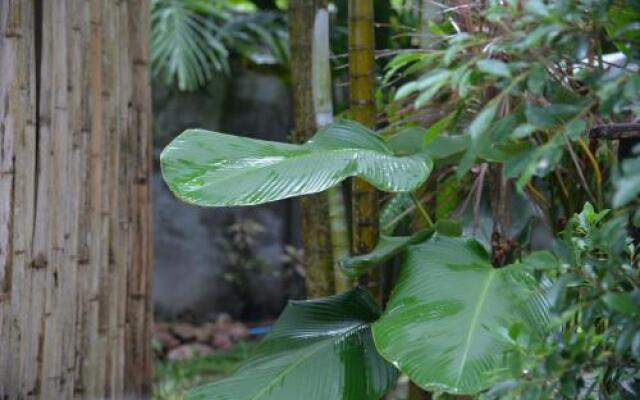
(505, 135)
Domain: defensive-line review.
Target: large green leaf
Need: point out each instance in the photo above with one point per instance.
(448, 321)
(318, 350)
(215, 169)
(387, 247)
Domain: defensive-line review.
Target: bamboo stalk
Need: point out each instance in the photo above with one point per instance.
(314, 211)
(364, 204)
(323, 105)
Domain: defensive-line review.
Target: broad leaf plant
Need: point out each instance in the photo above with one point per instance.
(546, 93)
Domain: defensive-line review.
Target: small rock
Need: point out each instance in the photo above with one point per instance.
(185, 332)
(166, 340)
(160, 326)
(204, 334)
(238, 331)
(188, 351)
(222, 342)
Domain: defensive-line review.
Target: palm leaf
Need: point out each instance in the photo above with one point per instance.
(318, 350)
(186, 44)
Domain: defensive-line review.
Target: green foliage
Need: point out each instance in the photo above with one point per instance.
(628, 184)
(387, 247)
(191, 40)
(198, 164)
(514, 83)
(318, 350)
(453, 318)
(543, 301)
(594, 311)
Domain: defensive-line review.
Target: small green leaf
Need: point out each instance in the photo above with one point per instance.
(443, 147)
(427, 95)
(635, 345)
(318, 350)
(540, 261)
(407, 141)
(627, 189)
(482, 121)
(449, 227)
(537, 79)
(575, 128)
(622, 303)
(406, 90)
(437, 77)
(494, 67)
(436, 129)
(392, 211)
(625, 338)
(523, 131)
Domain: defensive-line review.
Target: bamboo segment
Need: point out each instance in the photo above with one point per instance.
(364, 205)
(314, 209)
(323, 107)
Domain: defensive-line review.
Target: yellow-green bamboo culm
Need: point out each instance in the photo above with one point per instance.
(364, 202)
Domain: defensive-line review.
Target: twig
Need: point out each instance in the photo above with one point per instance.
(616, 131)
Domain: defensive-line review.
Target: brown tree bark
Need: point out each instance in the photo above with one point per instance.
(364, 209)
(75, 163)
(314, 209)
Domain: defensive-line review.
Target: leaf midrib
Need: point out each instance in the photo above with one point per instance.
(284, 161)
(474, 324)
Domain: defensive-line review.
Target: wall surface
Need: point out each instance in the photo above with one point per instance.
(75, 220)
(193, 264)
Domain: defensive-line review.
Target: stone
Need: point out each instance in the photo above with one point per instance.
(188, 351)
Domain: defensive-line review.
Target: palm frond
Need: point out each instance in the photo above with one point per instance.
(191, 39)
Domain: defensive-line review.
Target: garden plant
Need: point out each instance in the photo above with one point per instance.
(507, 154)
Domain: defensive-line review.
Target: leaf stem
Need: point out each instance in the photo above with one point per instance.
(423, 212)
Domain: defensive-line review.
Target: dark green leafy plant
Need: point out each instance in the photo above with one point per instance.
(198, 164)
(542, 302)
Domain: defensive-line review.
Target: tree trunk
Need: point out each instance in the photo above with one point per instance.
(314, 209)
(75, 163)
(364, 210)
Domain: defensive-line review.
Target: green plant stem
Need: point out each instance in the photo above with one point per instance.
(339, 236)
(422, 210)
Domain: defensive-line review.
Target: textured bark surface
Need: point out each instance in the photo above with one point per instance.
(75, 161)
(364, 204)
(314, 209)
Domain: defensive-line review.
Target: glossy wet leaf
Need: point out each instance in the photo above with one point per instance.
(394, 211)
(318, 350)
(448, 320)
(214, 169)
(387, 247)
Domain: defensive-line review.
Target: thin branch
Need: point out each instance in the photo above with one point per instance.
(616, 131)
